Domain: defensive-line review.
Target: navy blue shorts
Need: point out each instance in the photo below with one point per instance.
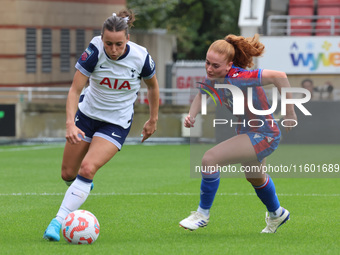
(111, 132)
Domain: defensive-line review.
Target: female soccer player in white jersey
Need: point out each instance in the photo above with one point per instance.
(226, 63)
(99, 119)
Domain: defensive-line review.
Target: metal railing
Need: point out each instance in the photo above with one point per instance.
(170, 96)
(167, 95)
(59, 94)
(295, 25)
(29, 94)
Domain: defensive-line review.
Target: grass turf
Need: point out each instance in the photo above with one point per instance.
(142, 194)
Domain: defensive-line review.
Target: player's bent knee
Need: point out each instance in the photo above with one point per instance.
(87, 170)
(67, 173)
(256, 181)
(68, 176)
(208, 159)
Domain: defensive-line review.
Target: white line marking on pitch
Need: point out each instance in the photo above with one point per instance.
(29, 148)
(167, 194)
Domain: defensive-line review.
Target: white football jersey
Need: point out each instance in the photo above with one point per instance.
(113, 84)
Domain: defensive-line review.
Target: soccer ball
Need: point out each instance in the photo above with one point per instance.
(80, 227)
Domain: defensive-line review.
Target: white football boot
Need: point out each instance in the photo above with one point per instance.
(274, 223)
(194, 221)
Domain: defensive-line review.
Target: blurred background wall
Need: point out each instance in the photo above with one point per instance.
(41, 40)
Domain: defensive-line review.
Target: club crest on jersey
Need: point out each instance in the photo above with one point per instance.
(133, 73)
(115, 84)
(269, 139)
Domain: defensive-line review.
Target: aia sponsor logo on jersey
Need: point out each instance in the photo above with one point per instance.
(115, 84)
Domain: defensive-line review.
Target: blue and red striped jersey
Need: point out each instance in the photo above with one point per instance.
(248, 122)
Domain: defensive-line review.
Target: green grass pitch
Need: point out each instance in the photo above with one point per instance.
(140, 196)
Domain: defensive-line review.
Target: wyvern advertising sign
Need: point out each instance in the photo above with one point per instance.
(301, 55)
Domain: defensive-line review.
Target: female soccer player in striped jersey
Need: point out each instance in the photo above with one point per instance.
(99, 119)
(226, 62)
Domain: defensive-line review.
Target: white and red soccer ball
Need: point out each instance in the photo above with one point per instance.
(80, 227)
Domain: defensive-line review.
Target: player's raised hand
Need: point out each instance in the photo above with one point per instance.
(73, 134)
(189, 121)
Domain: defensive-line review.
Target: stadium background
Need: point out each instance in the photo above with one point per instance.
(42, 39)
(142, 194)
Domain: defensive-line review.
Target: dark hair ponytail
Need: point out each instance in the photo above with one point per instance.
(119, 22)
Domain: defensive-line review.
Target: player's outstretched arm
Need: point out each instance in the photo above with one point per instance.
(79, 82)
(280, 80)
(194, 110)
(153, 96)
